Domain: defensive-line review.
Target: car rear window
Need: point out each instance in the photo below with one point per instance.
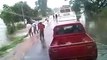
(65, 10)
(68, 29)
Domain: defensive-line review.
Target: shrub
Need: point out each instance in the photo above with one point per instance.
(10, 29)
(20, 26)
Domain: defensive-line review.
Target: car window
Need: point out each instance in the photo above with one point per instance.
(62, 11)
(69, 29)
(65, 10)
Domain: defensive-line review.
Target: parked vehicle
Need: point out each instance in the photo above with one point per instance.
(71, 42)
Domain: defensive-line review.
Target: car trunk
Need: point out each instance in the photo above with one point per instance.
(72, 46)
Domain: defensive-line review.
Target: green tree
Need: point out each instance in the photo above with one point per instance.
(76, 7)
(8, 18)
(23, 11)
(42, 6)
(49, 11)
(16, 13)
(92, 8)
(7, 15)
(22, 8)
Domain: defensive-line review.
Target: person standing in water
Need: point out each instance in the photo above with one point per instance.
(41, 30)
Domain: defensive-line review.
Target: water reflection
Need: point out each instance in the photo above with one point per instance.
(3, 36)
(98, 30)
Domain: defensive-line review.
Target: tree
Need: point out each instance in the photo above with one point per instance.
(35, 13)
(8, 18)
(22, 7)
(49, 11)
(76, 7)
(16, 13)
(94, 6)
(91, 7)
(42, 6)
(7, 15)
(24, 11)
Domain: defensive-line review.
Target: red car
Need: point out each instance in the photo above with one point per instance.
(71, 42)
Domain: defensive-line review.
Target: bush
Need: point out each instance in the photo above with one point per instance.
(10, 29)
(20, 26)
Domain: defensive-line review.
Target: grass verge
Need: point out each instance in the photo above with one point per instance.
(13, 43)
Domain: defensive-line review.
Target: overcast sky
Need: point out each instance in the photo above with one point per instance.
(31, 3)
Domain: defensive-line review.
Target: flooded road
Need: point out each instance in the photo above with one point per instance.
(38, 53)
(3, 36)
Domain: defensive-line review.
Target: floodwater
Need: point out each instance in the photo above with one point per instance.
(3, 36)
(38, 53)
(99, 31)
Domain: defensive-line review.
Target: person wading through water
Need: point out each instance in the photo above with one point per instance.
(56, 17)
(41, 30)
(29, 29)
(35, 28)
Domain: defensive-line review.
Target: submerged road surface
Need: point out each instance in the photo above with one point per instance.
(38, 53)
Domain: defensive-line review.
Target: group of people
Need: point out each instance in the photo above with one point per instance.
(35, 28)
(55, 17)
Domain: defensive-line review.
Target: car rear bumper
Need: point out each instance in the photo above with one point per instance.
(76, 58)
(78, 52)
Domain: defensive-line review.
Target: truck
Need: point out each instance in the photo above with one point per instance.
(71, 42)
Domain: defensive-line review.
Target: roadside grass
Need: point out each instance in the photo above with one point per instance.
(7, 48)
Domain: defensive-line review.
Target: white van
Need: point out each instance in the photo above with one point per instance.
(65, 13)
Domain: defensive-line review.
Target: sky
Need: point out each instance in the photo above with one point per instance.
(31, 3)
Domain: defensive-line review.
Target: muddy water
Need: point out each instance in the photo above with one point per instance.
(3, 36)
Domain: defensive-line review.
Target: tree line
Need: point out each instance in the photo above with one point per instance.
(92, 8)
(95, 11)
(21, 11)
